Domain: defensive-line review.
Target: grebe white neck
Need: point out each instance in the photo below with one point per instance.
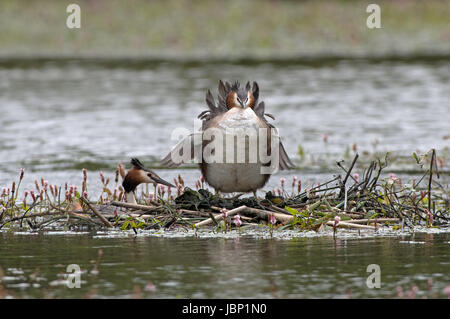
(130, 198)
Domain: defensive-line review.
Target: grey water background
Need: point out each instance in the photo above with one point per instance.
(58, 116)
(149, 267)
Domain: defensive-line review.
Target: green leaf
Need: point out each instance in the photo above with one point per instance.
(314, 206)
(370, 214)
(292, 210)
(140, 225)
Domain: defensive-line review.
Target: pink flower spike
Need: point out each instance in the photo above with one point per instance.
(441, 162)
(430, 215)
(179, 189)
(272, 219)
(279, 191)
(447, 291)
(282, 181)
(150, 287)
(413, 292)
(224, 213)
(32, 195)
(356, 177)
(337, 220)
(429, 284)
(399, 291)
(237, 220)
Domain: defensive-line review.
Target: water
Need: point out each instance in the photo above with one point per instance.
(57, 117)
(60, 116)
(148, 267)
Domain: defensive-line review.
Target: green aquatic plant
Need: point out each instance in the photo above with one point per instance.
(223, 223)
(237, 221)
(272, 221)
(133, 223)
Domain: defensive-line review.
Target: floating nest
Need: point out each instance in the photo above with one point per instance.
(348, 200)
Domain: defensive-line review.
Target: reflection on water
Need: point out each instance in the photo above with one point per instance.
(57, 117)
(34, 266)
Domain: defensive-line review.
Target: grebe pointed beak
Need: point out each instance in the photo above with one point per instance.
(155, 178)
(158, 180)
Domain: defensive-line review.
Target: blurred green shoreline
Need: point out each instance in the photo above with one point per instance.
(131, 62)
(233, 30)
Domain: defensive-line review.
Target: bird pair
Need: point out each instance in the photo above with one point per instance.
(238, 110)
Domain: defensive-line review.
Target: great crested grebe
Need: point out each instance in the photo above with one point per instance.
(139, 174)
(237, 110)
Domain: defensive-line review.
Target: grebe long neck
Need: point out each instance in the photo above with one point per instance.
(130, 198)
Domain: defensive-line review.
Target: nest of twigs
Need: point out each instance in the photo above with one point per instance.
(348, 200)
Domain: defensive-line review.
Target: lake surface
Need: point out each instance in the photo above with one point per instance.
(57, 117)
(60, 116)
(243, 267)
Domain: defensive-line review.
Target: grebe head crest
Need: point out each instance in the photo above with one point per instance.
(241, 97)
(139, 174)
